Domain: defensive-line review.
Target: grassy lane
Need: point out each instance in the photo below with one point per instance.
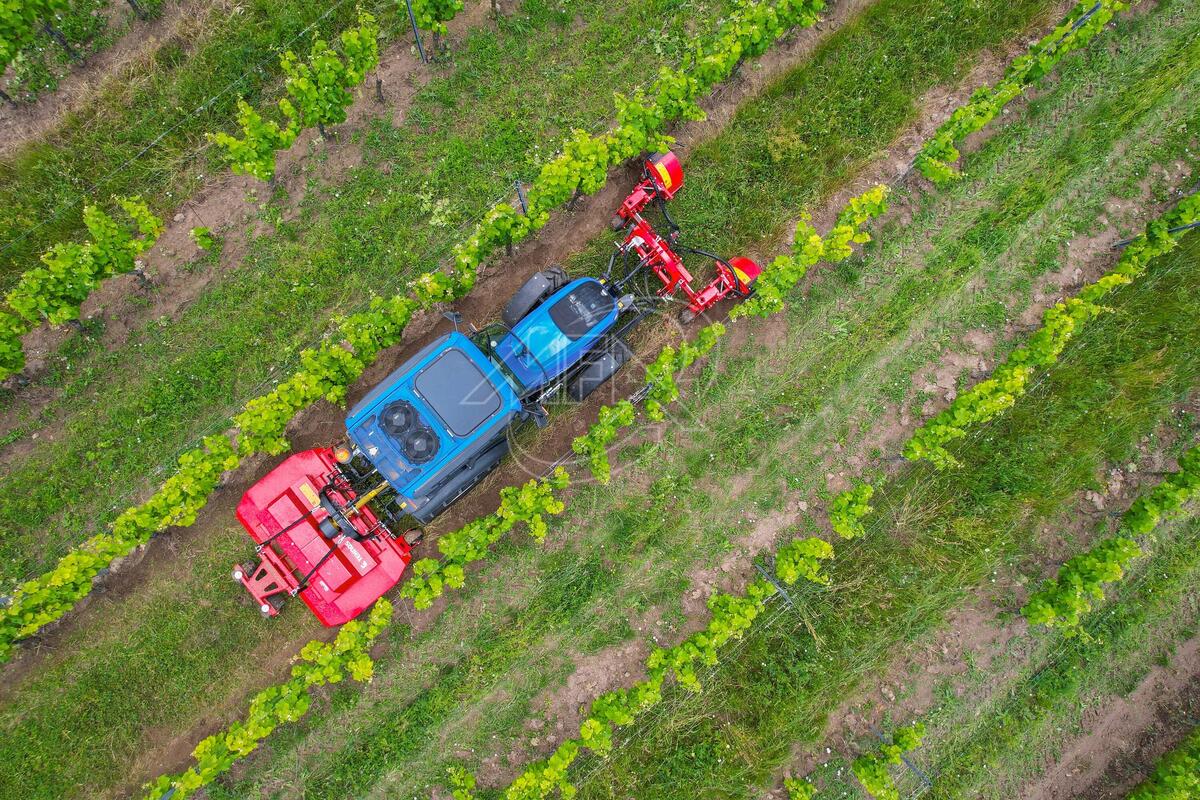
(990, 750)
(43, 183)
(382, 742)
(468, 134)
(187, 631)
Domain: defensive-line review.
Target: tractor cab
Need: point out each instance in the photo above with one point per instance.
(442, 413)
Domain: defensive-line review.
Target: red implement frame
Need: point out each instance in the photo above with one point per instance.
(283, 515)
(663, 178)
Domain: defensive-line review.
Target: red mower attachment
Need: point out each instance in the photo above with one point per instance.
(318, 539)
(663, 177)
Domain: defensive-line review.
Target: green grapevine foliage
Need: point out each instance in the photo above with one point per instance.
(994, 396)
(872, 769)
(801, 558)
(317, 88)
(327, 370)
(203, 237)
(319, 91)
(848, 508)
(529, 504)
(809, 248)
(55, 291)
(593, 445)
(732, 616)
(1062, 602)
(670, 362)
(432, 15)
(20, 22)
(939, 152)
(254, 153)
(319, 663)
(799, 789)
(462, 783)
(1177, 775)
(1167, 497)
(872, 772)
(46, 598)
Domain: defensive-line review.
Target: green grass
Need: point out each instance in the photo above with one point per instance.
(126, 414)
(626, 551)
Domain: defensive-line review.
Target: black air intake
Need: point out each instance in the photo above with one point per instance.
(397, 418)
(420, 445)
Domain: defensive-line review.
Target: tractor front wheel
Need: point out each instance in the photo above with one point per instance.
(539, 286)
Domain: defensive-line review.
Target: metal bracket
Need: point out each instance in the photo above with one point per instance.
(787, 598)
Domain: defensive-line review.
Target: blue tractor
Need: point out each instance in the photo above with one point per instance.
(438, 424)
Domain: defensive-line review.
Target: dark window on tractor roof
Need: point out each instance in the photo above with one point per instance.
(581, 310)
(458, 392)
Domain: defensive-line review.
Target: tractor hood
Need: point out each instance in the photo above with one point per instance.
(420, 424)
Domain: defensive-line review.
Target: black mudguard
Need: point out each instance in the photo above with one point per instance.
(540, 286)
(463, 480)
(602, 366)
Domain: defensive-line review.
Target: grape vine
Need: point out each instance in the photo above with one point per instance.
(1062, 602)
(871, 769)
(939, 152)
(848, 508)
(530, 504)
(318, 664)
(55, 292)
(319, 92)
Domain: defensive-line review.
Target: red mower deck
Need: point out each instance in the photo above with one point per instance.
(283, 513)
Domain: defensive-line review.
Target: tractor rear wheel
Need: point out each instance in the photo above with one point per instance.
(539, 286)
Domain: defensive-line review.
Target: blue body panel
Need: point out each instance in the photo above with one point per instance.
(538, 350)
(457, 393)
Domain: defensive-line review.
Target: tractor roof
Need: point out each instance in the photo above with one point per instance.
(439, 406)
